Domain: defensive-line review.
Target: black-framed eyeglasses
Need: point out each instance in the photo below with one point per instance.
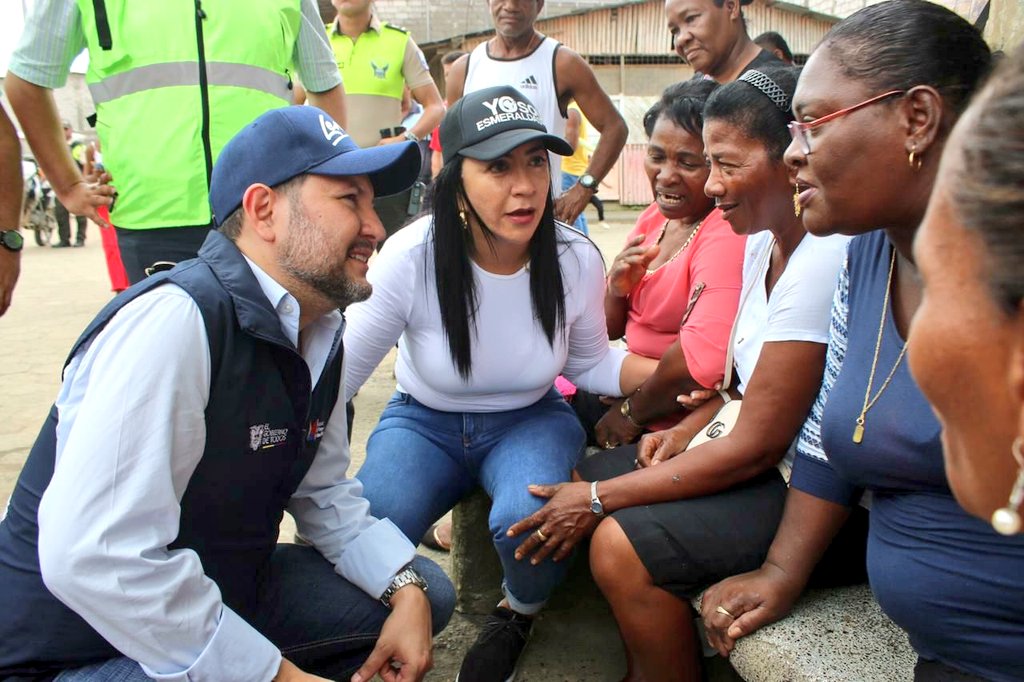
(799, 130)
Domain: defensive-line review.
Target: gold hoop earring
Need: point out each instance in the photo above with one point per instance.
(1006, 520)
(914, 160)
(462, 219)
(797, 208)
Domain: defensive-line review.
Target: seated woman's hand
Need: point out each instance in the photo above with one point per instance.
(742, 604)
(630, 265)
(557, 526)
(658, 446)
(613, 429)
(695, 399)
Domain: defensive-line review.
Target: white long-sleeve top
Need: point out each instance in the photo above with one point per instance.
(131, 432)
(513, 363)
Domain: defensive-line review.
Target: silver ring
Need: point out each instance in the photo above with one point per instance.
(608, 445)
(543, 538)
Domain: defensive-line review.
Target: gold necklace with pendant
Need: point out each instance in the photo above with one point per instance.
(869, 400)
(693, 235)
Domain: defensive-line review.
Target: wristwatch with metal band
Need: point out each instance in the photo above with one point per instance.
(626, 410)
(407, 576)
(411, 136)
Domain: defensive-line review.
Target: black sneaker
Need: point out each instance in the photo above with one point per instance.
(494, 657)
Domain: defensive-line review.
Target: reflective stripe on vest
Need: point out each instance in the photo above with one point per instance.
(169, 62)
(185, 73)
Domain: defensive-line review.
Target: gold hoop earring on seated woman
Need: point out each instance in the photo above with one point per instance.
(914, 160)
(1006, 520)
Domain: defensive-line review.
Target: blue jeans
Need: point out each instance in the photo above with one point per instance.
(321, 622)
(420, 462)
(568, 180)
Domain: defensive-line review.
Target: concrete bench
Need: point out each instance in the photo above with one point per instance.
(834, 635)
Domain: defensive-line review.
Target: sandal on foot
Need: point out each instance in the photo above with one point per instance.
(432, 538)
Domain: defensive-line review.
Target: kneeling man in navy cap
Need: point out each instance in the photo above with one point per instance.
(141, 539)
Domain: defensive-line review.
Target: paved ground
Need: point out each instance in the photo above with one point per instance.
(59, 292)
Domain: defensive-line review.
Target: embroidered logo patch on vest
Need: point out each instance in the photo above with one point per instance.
(261, 437)
(316, 430)
(380, 72)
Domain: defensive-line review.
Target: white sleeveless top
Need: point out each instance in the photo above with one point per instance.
(534, 76)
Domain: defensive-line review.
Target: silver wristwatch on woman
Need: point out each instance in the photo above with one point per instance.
(407, 576)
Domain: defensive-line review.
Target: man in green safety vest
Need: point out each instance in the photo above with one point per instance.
(378, 61)
(172, 82)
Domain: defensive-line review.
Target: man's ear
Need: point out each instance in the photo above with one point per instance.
(733, 7)
(259, 203)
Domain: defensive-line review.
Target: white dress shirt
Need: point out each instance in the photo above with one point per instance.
(131, 432)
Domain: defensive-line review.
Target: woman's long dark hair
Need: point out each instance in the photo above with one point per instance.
(454, 245)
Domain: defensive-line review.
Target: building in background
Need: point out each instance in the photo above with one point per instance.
(629, 49)
(627, 44)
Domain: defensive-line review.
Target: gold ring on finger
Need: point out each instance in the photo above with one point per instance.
(722, 610)
(543, 538)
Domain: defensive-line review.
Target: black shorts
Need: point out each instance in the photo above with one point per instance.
(687, 545)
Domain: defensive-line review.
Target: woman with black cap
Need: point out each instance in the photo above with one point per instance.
(490, 300)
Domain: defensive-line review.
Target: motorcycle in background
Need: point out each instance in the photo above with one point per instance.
(38, 213)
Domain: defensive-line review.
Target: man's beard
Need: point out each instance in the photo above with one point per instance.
(304, 258)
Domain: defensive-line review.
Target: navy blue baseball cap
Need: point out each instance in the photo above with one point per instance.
(284, 143)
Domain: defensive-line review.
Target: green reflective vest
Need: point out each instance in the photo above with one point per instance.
(172, 82)
(371, 65)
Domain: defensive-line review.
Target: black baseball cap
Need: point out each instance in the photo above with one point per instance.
(489, 123)
(286, 142)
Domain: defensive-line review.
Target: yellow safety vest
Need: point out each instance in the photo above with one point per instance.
(371, 65)
(173, 81)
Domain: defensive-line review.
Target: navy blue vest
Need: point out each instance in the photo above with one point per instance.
(262, 434)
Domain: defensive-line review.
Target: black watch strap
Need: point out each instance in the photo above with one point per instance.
(11, 240)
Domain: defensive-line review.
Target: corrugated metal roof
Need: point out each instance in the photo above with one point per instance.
(431, 21)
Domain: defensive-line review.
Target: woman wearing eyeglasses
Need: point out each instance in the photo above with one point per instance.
(874, 107)
(667, 520)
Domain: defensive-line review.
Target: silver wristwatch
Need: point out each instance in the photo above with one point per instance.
(407, 576)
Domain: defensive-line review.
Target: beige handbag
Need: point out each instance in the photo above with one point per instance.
(728, 414)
